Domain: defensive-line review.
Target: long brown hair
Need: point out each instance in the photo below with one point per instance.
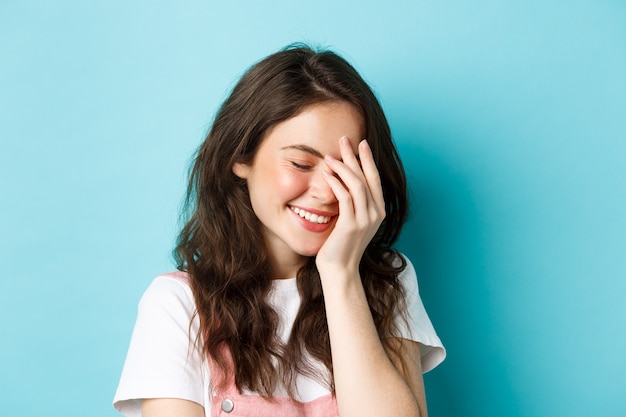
(221, 245)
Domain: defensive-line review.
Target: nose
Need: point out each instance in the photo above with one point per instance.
(320, 190)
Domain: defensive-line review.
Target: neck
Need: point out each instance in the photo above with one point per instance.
(284, 269)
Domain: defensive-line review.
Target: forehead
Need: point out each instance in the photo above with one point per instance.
(319, 126)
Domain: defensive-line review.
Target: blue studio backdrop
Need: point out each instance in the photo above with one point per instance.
(510, 118)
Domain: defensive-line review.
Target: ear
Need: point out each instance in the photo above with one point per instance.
(241, 170)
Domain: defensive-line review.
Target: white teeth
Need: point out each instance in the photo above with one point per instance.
(313, 218)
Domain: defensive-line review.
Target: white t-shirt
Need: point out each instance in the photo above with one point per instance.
(163, 361)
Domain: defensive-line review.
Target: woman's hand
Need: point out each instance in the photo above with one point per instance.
(361, 208)
(366, 381)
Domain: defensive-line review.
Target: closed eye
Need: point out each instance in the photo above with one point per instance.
(301, 166)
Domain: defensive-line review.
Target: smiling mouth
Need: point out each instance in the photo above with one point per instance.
(311, 217)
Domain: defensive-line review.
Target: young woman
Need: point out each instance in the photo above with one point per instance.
(289, 299)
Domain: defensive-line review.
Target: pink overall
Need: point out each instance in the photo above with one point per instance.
(228, 402)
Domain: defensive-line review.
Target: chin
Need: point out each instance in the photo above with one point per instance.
(310, 251)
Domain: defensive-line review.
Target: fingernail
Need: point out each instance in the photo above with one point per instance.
(330, 158)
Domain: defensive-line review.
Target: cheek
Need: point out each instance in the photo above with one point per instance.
(290, 184)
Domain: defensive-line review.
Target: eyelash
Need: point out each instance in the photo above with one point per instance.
(301, 166)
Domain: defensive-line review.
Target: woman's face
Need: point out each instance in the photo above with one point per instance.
(289, 195)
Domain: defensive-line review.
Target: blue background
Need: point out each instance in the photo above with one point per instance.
(511, 120)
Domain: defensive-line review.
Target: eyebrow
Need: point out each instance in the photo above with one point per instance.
(304, 148)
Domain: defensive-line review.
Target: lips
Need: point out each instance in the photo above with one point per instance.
(311, 217)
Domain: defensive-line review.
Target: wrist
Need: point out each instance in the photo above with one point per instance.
(337, 273)
(340, 282)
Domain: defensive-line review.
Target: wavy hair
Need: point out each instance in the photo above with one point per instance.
(221, 245)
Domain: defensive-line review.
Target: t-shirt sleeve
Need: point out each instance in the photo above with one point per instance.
(162, 361)
(418, 326)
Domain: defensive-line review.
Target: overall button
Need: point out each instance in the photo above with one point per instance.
(228, 405)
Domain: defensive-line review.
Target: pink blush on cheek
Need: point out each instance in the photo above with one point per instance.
(289, 185)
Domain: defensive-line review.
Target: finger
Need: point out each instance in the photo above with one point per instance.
(355, 185)
(371, 174)
(346, 206)
(349, 157)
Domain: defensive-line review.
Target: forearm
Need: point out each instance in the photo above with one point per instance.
(366, 381)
